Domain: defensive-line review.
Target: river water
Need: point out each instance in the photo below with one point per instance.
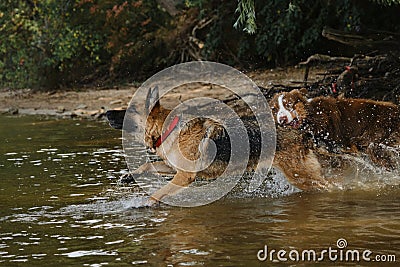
(60, 205)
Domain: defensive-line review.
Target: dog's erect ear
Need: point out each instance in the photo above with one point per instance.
(304, 91)
(298, 95)
(153, 96)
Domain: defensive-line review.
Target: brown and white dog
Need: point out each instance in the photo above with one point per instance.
(339, 123)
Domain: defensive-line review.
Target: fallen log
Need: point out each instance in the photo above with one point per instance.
(376, 77)
(382, 41)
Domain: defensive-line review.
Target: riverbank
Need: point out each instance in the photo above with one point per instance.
(92, 103)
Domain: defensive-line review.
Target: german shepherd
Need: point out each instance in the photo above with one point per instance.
(299, 164)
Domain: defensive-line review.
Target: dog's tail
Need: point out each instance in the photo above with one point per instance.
(116, 118)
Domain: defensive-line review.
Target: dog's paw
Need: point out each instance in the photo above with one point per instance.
(151, 202)
(143, 202)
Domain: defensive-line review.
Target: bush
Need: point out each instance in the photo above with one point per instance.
(43, 43)
(52, 43)
(287, 31)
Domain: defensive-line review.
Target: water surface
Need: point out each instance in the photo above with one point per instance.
(60, 205)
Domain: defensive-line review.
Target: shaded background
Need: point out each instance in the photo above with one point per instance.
(52, 44)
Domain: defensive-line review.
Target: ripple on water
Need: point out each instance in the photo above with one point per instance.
(91, 220)
(83, 253)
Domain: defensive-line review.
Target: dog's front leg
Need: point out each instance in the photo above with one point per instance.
(158, 167)
(181, 180)
(155, 167)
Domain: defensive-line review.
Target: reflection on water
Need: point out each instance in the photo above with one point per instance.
(59, 204)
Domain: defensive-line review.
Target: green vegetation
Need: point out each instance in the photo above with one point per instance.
(247, 10)
(51, 44)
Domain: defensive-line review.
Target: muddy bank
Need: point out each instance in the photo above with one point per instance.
(88, 103)
(374, 77)
(92, 103)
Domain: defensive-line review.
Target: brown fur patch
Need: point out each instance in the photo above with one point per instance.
(343, 122)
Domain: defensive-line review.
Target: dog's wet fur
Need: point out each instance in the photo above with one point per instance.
(298, 154)
(191, 139)
(341, 124)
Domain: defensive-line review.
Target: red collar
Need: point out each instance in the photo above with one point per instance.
(164, 136)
